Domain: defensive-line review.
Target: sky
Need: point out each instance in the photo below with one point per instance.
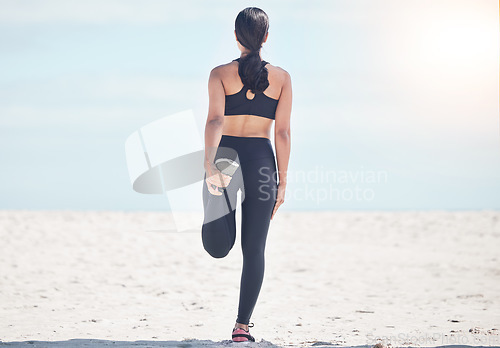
(395, 103)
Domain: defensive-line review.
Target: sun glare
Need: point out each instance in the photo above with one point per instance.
(471, 42)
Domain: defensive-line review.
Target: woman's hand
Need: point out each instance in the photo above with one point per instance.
(216, 178)
(280, 197)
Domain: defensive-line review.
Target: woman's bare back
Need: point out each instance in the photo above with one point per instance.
(249, 125)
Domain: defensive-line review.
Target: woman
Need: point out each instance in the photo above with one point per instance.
(246, 96)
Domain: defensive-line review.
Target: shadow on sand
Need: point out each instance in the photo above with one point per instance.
(189, 343)
(96, 343)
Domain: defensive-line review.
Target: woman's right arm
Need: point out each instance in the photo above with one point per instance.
(215, 118)
(213, 132)
(282, 137)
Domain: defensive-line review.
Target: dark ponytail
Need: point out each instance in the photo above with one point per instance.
(251, 26)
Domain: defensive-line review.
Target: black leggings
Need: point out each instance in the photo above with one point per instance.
(256, 177)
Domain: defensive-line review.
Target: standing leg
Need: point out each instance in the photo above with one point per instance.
(260, 189)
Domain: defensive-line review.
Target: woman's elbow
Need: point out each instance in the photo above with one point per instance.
(283, 133)
(215, 121)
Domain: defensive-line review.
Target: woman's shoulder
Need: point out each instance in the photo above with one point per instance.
(279, 72)
(228, 69)
(223, 69)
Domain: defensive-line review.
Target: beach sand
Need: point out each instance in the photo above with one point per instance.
(123, 279)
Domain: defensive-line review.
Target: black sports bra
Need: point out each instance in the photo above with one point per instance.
(261, 105)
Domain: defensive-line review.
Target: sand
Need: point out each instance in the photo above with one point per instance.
(126, 279)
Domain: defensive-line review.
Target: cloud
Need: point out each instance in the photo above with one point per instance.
(105, 11)
(162, 11)
(71, 89)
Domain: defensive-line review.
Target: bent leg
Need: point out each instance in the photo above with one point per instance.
(219, 224)
(218, 232)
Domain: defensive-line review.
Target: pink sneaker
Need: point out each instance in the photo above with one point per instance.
(242, 335)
